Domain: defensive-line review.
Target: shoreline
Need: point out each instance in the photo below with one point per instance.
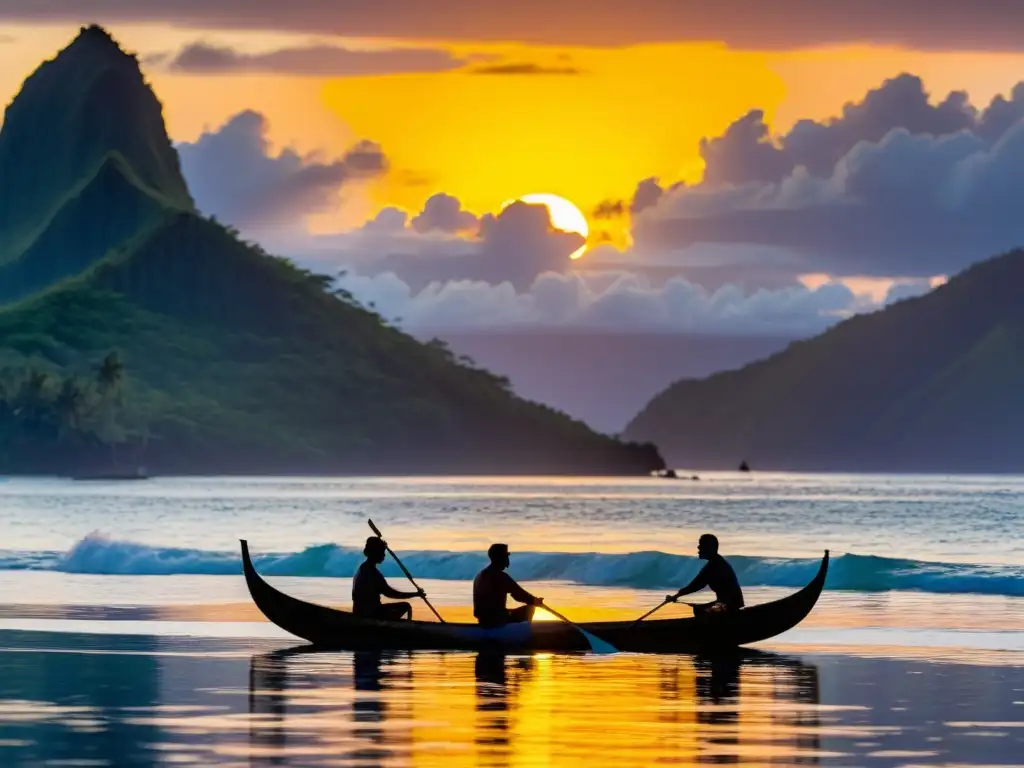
(685, 471)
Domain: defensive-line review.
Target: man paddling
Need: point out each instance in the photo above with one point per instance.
(369, 585)
(718, 576)
(492, 586)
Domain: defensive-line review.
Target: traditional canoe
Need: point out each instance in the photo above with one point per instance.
(335, 629)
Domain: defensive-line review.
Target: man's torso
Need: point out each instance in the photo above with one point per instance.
(366, 588)
(723, 582)
(490, 593)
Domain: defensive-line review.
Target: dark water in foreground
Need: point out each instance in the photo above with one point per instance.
(145, 701)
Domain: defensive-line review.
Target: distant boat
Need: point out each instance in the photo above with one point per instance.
(744, 467)
(138, 474)
(671, 474)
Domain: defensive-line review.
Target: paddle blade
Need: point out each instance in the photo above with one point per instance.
(597, 645)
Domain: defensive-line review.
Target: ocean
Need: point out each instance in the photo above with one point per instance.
(127, 636)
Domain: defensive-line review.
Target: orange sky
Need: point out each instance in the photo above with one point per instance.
(634, 112)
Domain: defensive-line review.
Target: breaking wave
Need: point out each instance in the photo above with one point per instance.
(98, 554)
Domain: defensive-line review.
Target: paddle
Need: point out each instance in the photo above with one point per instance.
(596, 643)
(661, 605)
(405, 570)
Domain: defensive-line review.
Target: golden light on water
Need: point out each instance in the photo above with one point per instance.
(466, 709)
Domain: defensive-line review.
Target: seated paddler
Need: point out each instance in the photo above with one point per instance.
(718, 576)
(491, 588)
(369, 585)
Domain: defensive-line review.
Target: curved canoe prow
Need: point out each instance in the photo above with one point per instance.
(338, 629)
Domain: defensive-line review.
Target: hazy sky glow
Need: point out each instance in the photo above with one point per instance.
(745, 167)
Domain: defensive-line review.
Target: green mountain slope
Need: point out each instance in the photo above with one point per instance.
(932, 383)
(103, 211)
(238, 360)
(227, 359)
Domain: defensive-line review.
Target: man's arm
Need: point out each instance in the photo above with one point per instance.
(699, 582)
(518, 593)
(388, 591)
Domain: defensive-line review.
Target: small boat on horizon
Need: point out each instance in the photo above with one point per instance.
(139, 474)
(336, 629)
(671, 474)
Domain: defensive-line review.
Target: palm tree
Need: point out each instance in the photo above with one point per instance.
(31, 397)
(110, 373)
(109, 376)
(69, 403)
(7, 403)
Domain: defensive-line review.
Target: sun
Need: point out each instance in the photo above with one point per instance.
(564, 216)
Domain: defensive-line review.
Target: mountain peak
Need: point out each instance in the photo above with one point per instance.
(94, 33)
(95, 46)
(86, 103)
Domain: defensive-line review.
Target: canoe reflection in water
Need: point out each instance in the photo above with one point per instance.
(462, 709)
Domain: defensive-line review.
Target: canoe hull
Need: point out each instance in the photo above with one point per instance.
(334, 629)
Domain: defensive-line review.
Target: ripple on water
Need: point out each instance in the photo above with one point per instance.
(454, 709)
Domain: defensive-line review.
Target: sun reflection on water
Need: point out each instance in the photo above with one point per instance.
(491, 709)
(218, 704)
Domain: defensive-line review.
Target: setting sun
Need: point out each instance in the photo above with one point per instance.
(564, 215)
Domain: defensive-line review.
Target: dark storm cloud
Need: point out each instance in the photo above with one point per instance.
(315, 60)
(753, 24)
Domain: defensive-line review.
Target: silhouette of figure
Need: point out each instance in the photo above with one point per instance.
(720, 679)
(369, 585)
(492, 586)
(268, 708)
(718, 576)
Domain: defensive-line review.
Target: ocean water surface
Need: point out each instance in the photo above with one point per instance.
(127, 636)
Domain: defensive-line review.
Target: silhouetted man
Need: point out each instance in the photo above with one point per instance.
(492, 586)
(369, 585)
(718, 576)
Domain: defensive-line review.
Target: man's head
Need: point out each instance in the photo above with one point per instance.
(375, 549)
(707, 547)
(498, 553)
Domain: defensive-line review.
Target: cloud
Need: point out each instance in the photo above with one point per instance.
(444, 213)
(313, 61)
(988, 25)
(524, 68)
(609, 209)
(647, 194)
(895, 186)
(745, 152)
(908, 289)
(613, 301)
(233, 175)
(444, 243)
